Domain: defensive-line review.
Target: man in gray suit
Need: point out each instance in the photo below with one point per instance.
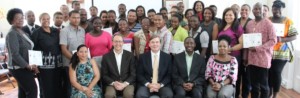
(188, 72)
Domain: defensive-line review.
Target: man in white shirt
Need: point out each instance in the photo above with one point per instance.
(118, 71)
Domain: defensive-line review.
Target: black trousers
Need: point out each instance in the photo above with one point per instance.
(26, 83)
(65, 82)
(275, 74)
(179, 92)
(243, 78)
(49, 82)
(259, 81)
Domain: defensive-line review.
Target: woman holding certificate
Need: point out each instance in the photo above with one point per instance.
(18, 43)
(46, 40)
(281, 51)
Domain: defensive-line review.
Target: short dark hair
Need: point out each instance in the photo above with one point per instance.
(188, 38)
(225, 38)
(12, 13)
(213, 6)
(211, 10)
(57, 13)
(266, 7)
(93, 19)
(151, 10)
(132, 10)
(154, 36)
(247, 6)
(177, 15)
(112, 11)
(122, 19)
(101, 13)
(186, 11)
(73, 12)
(93, 7)
(176, 7)
(163, 8)
(74, 1)
(278, 4)
(194, 7)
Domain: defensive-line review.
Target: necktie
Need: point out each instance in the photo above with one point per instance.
(155, 70)
(32, 29)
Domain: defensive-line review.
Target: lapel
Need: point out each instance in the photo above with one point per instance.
(114, 62)
(161, 65)
(123, 60)
(193, 67)
(148, 58)
(23, 38)
(183, 64)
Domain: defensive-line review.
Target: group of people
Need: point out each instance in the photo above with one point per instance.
(81, 60)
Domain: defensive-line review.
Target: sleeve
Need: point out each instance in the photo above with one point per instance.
(86, 40)
(167, 42)
(204, 39)
(140, 71)
(131, 79)
(291, 28)
(167, 78)
(175, 73)
(104, 70)
(233, 70)
(184, 34)
(201, 78)
(240, 31)
(109, 37)
(209, 66)
(63, 37)
(13, 46)
(271, 38)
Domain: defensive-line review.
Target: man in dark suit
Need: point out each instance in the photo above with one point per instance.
(30, 27)
(118, 71)
(154, 72)
(188, 72)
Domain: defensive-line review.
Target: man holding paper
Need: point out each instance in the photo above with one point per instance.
(258, 58)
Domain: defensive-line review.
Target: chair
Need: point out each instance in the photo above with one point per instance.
(4, 71)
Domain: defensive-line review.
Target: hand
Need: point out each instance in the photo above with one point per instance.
(89, 93)
(217, 87)
(151, 87)
(157, 86)
(190, 86)
(35, 69)
(185, 86)
(118, 85)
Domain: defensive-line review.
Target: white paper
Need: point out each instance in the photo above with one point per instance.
(252, 40)
(35, 58)
(279, 29)
(127, 47)
(109, 30)
(177, 47)
(215, 45)
(89, 53)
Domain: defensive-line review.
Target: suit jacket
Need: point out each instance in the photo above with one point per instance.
(17, 47)
(197, 71)
(144, 69)
(110, 71)
(27, 30)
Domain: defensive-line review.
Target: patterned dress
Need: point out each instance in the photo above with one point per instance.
(85, 75)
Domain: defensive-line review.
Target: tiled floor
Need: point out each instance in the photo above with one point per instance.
(10, 92)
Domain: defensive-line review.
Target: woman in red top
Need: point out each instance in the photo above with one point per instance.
(198, 9)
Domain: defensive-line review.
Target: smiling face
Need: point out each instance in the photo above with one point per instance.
(151, 15)
(154, 44)
(223, 47)
(199, 7)
(189, 14)
(140, 12)
(194, 22)
(229, 17)
(111, 17)
(258, 10)
(189, 45)
(132, 17)
(276, 12)
(159, 21)
(82, 53)
(145, 24)
(123, 26)
(18, 20)
(245, 10)
(83, 15)
(45, 20)
(103, 17)
(208, 15)
(97, 24)
(118, 43)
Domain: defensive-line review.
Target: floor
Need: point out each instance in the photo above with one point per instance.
(10, 92)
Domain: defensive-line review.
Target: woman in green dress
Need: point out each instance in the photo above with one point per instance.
(84, 75)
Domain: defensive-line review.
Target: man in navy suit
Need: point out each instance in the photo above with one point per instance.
(154, 72)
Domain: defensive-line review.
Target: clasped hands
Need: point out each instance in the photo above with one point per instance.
(216, 86)
(33, 68)
(154, 87)
(188, 86)
(88, 91)
(119, 85)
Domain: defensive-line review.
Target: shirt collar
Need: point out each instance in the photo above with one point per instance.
(186, 54)
(31, 26)
(158, 53)
(58, 27)
(119, 53)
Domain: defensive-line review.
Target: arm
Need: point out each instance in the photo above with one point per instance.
(167, 42)
(215, 32)
(96, 74)
(12, 41)
(137, 45)
(271, 39)
(287, 39)
(63, 41)
(233, 71)
(109, 42)
(238, 46)
(65, 51)
(105, 71)
(131, 79)
(175, 73)
(140, 71)
(200, 80)
(73, 80)
(208, 71)
(204, 40)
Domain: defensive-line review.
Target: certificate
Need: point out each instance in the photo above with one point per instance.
(279, 29)
(252, 40)
(177, 47)
(35, 58)
(109, 30)
(215, 46)
(127, 47)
